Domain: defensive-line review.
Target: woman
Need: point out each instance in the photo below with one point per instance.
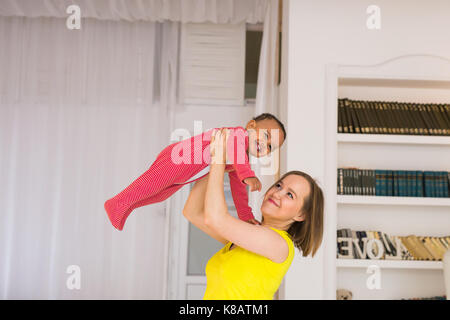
(255, 257)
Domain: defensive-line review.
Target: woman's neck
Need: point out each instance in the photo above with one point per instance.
(275, 224)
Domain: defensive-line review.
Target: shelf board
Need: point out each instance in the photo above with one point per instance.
(389, 264)
(392, 139)
(402, 201)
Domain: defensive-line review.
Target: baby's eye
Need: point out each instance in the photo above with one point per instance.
(270, 147)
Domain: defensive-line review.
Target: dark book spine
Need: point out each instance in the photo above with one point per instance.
(436, 130)
(343, 115)
(348, 116)
(428, 184)
(356, 124)
(339, 117)
(377, 112)
(420, 184)
(413, 183)
(364, 182)
(370, 128)
(396, 189)
(376, 117)
(444, 116)
(418, 119)
(389, 183)
(387, 118)
(346, 181)
(416, 124)
(360, 116)
(429, 123)
(403, 127)
(441, 121)
(393, 116)
(407, 125)
(373, 184)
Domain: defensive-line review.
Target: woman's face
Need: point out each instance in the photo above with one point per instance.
(282, 203)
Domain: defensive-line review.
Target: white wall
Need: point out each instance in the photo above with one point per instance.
(323, 32)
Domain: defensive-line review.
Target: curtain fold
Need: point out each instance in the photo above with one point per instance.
(216, 11)
(267, 98)
(79, 121)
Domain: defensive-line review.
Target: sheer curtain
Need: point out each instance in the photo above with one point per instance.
(267, 97)
(80, 118)
(82, 114)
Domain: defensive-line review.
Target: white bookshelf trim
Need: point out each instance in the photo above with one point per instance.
(401, 201)
(389, 264)
(392, 139)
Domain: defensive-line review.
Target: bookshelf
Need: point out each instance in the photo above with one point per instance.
(392, 139)
(393, 201)
(412, 78)
(389, 264)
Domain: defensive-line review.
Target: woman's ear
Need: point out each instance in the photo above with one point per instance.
(251, 125)
(300, 217)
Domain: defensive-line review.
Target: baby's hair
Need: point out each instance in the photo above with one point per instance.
(264, 116)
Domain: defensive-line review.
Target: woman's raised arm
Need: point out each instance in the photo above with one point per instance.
(255, 238)
(194, 209)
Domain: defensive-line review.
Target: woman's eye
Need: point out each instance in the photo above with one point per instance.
(290, 195)
(278, 185)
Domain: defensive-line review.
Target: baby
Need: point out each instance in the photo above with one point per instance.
(188, 160)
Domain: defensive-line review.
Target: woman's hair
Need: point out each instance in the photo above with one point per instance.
(307, 234)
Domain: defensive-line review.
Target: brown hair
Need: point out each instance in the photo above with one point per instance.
(307, 234)
(264, 116)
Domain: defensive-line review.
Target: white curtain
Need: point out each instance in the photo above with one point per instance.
(215, 11)
(79, 120)
(267, 97)
(82, 114)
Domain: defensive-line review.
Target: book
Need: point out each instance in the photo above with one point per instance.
(380, 183)
(410, 246)
(441, 122)
(340, 120)
(419, 184)
(432, 254)
(431, 116)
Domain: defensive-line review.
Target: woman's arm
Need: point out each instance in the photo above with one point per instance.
(194, 209)
(258, 239)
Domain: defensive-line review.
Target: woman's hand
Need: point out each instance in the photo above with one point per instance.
(218, 146)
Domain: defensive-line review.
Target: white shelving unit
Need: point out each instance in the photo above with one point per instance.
(393, 201)
(418, 78)
(389, 264)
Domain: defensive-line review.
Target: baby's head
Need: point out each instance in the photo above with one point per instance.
(265, 134)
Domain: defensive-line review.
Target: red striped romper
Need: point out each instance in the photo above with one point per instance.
(173, 168)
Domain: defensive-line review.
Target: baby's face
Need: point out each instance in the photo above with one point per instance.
(264, 137)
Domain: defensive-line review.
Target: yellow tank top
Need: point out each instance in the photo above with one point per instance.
(239, 274)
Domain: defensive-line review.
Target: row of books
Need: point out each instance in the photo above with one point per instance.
(444, 297)
(401, 247)
(383, 117)
(396, 183)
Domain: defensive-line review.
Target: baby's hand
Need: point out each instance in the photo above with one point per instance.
(253, 221)
(253, 183)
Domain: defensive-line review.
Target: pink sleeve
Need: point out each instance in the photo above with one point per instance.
(240, 197)
(237, 146)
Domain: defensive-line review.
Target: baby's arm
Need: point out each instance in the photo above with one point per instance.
(240, 198)
(237, 153)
